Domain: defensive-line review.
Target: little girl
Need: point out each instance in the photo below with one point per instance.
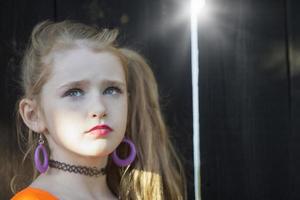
(94, 128)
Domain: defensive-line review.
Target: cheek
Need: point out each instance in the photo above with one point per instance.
(64, 122)
(119, 114)
(125, 113)
(122, 111)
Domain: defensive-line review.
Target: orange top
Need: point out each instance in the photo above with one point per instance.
(33, 194)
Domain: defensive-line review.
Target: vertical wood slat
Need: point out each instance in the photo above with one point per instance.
(244, 94)
(293, 18)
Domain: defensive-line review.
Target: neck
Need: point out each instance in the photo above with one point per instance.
(79, 182)
(87, 185)
(77, 169)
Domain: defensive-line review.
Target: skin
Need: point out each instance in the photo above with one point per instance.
(85, 89)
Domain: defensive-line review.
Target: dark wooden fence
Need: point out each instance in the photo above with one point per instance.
(250, 143)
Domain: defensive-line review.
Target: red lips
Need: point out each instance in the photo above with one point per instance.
(100, 130)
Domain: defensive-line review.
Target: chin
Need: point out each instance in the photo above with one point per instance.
(97, 153)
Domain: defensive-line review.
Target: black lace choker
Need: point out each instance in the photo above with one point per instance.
(88, 171)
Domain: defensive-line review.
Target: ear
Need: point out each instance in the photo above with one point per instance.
(31, 115)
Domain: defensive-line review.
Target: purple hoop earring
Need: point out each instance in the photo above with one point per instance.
(120, 162)
(42, 168)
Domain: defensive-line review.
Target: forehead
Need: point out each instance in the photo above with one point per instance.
(82, 63)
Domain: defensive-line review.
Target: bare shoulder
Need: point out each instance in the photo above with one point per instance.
(42, 182)
(58, 188)
(48, 184)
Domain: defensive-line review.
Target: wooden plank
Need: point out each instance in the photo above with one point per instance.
(293, 29)
(244, 94)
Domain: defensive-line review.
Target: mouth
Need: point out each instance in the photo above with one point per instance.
(100, 130)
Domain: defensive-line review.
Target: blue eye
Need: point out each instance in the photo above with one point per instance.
(112, 91)
(75, 92)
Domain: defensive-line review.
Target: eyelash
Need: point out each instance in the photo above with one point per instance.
(69, 92)
(118, 90)
(73, 90)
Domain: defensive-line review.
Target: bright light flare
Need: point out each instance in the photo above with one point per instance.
(198, 7)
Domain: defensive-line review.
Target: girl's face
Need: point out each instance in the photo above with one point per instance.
(86, 89)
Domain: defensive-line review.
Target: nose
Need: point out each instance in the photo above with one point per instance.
(97, 109)
(98, 115)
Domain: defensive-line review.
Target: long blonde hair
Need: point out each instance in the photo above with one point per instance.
(157, 172)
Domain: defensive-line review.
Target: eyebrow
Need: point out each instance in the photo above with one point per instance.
(86, 82)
